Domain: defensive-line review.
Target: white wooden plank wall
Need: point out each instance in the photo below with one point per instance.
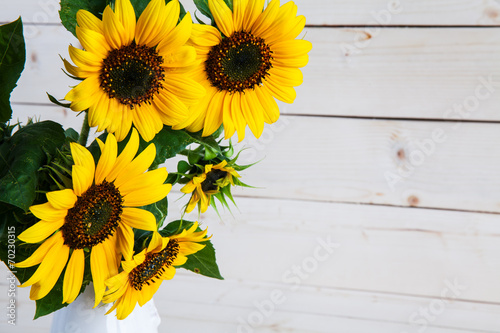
(390, 155)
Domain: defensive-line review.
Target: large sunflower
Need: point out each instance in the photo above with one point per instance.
(143, 274)
(134, 72)
(208, 183)
(253, 58)
(97, 214)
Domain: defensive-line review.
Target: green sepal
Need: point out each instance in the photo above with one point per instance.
(159, 210)
(20, 161)
(71, 135)
(69, 8)
(12, 59)
(56, 102)
(202, 262)
(202, 6)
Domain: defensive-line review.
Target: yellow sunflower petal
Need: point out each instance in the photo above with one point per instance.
(239, 11)
(128, 302)
(266, 18)
(169, 273)
(238, 119)
(157, 243)
(205, 35)
(149, 292)
(172, 110)
(189, 187)
(147, 196)
(286, 76)
(180, 57)
(84, 93)
(98, 265)
(271, 109)
(86, 60)
(284, 94)
(107, 159)
(112, 256)
(87, 20)
(187, 248)
(281, 24)
(92, 41)
(291, 49)
(223, 16)
(145, 180)
(298, 62)
(253, 113)
(139, 219)
(47, 212)
(213, 118)
(41, 252)
(63, 199)
(126, 156)
(253, 10)
(293, 28)
(53, 267)
(82, 156)
(179, 260)
(126, 14)
(117, 285)
(187, 90)
(82, 179)
(178, 36)
(167, 22)
(227, 120)
(40, 231)
(73, 277)
(113, 29)
(125, 240)
(147, 121)
(137, 166)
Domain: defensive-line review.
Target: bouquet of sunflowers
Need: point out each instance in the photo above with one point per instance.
(76, 215)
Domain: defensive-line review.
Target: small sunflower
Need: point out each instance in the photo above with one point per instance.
(252, 60)
(143, 274)
(208, 183)
(134, 72)
(96, 215)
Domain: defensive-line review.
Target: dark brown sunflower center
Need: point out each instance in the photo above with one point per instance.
(94, 217)
(154, 265)
(132, 74)
(239, 62)
(210, 183)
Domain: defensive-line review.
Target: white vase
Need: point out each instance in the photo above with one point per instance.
(80, 317)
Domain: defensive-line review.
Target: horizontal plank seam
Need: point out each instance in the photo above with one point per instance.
(289, 114)
(366, 204)
(273, 326)
(393, 118)
(400, 26)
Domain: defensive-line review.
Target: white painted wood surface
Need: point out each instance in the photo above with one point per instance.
(326, 12)
(324, 173)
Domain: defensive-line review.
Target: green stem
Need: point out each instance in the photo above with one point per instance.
(84, 134)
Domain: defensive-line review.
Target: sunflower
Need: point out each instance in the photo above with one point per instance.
(253, 58)
(96, 215)
(208, 183)
(143, 274)
(134, 72)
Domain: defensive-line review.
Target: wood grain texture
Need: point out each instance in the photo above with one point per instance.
(399, 73)
(326, 12)
(404, 163)
(390, 263)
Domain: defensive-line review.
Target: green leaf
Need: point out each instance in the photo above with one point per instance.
(72, 134)
(168, 143)
(12, 59)
(56, 102)
(159, 210)
(202, 262)
(69, 8)
(20, 160)
(202, 6)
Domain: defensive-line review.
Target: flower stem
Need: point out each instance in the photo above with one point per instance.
(84, 133)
